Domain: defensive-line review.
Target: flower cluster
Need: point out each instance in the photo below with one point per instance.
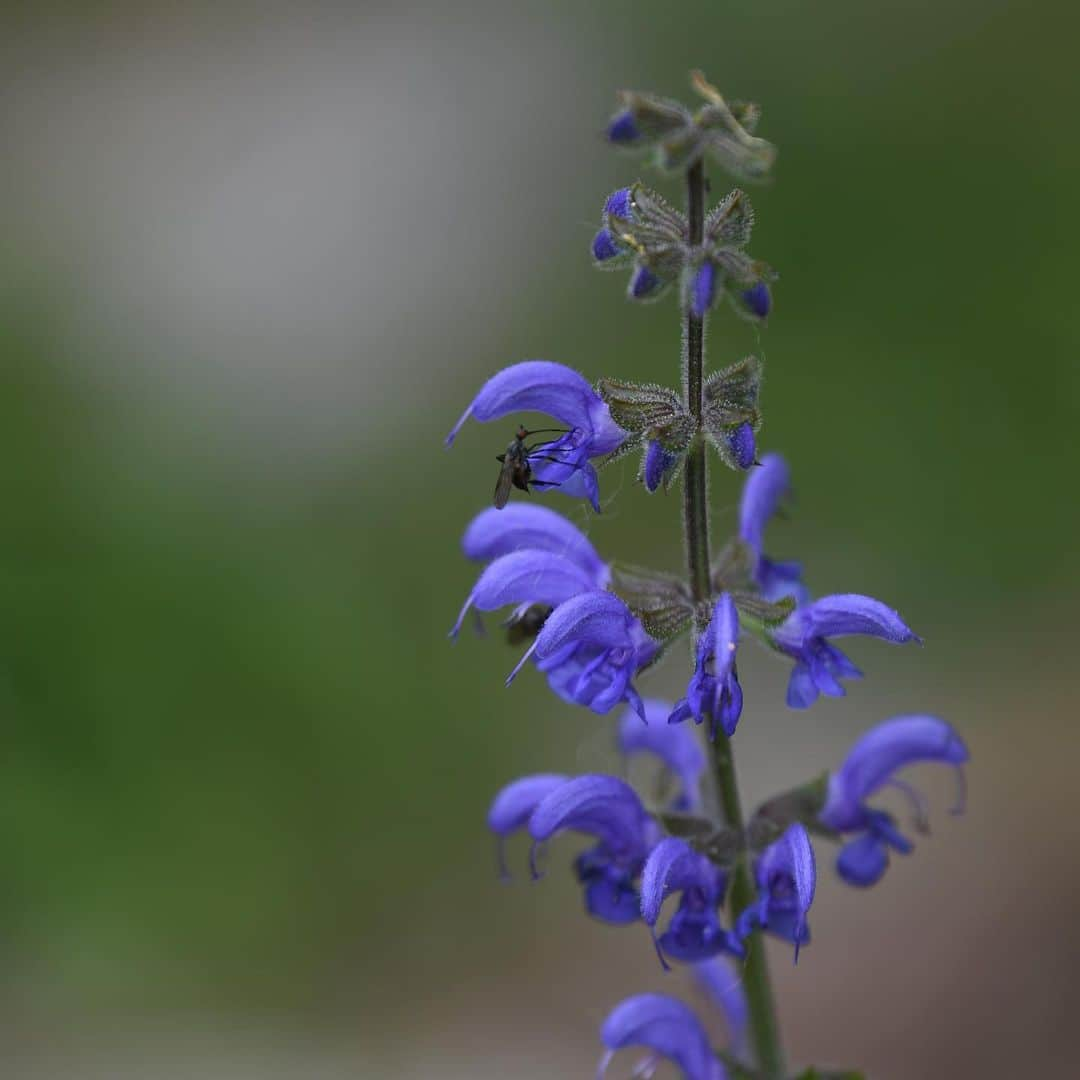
(677, 858)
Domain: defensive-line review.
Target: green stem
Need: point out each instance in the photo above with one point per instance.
(764, 1029)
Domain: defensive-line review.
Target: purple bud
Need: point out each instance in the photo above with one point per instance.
(644, 283)
(658, 465)
(742, 445)
(704, 291)
(758, 300)
(619, 204)
(603, 246)
(622, 128)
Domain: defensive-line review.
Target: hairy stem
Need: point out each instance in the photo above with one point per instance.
(763, 1024)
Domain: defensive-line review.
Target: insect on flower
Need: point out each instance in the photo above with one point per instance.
(516, 468)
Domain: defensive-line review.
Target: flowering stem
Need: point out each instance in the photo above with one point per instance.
(763, 1024)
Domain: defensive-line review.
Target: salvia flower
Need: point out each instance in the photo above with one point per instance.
(765, 488)
(695, 932)
(667, 1029)
(786, 876)
(869, 766)
(714, 691)
(819, 665)
(675, 747)
(515, 803)
(560, 392)
(607, 809)
(590, 648)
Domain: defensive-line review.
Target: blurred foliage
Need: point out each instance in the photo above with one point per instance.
(238, 745)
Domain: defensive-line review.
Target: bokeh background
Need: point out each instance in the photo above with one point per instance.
(256, 259)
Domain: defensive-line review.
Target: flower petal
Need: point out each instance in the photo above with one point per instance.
(676, 746)
(764, 488)
(602, 806)
(665, 1026)
(526, 577)
(535, 386)
(520, 526)
(594, 618)
(514, 804)
(671, 867)
(844, 614)
(863, 860)
(884, 749)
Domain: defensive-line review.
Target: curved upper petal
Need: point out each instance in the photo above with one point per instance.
(521, 526)
(721, 638)
(842, 614)
(884, 749)
(676, 745)
(666, 1027)
(602, 806)
(547, 387)
(514, 804)
(764, 488)
(594, 618)
(787, 877)
(672, 866)
(526, 577)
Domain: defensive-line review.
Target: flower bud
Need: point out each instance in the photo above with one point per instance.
(622, 129)
(658, 466)
(758, 300)
(644, 284)
(742, 445)
(604, 246)
(620, 204)
(704, 289)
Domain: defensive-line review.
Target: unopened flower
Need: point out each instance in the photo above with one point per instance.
(559, 391)
(667, 1029)
(714, 691)
(786, 876)
(819, 665)
(869, 766)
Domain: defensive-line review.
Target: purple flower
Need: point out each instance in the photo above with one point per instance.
(891, 745)
(620, 203)
(758, 300)
(676, 747)
(742, 445)
(524, 577)
(668, 1029)
(659, 465)
(786, 878)
(543, 386)
(590, 648)
(694, 932)
(764, 488)
(818, 665)
(714, 690)
(521, 526)
(606, 808)
(622, 128)
(514, 805)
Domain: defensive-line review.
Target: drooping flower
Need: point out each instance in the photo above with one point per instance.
(765, 487)
(786, 876)
(869, 766)
(819, 665)
(608, 809)
(667, 1029)
(694, 932)
(515, 803)
(559, 391)
(590, 648)
(675, 747)
(714, 691)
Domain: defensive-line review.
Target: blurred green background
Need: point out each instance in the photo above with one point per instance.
(257, 260)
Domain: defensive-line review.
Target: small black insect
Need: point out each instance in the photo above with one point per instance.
(526, 625)
(516, 470)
